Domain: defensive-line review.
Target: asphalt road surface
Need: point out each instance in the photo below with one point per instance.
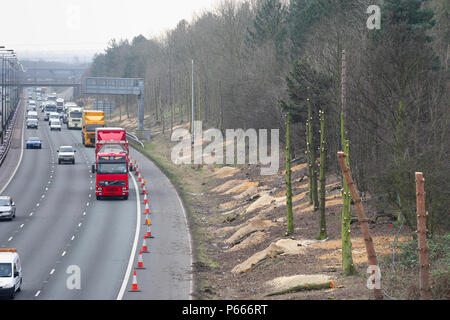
(73, 246)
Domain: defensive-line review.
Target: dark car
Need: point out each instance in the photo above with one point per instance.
(7, 208)
(34, 143)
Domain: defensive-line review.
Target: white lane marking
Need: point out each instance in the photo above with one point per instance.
(73, 237)
(87, 204)
(21, 154)
(10, 238)
(63, 254)
(135, 243)
(79, 225)
(37, 293)
(53, 270)
(84, 213)
(31, 213)
(21, 226)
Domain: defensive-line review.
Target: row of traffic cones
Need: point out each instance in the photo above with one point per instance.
(148, 234)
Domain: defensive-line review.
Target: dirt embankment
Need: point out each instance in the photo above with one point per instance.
(239, 221)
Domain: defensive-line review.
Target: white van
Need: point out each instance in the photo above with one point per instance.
(32, 119)
(53, 116)
(10, 273)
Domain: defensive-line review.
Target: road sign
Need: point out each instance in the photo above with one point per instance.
(134, 86)
(104, 105)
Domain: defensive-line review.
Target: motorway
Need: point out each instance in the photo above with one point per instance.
(61, 227)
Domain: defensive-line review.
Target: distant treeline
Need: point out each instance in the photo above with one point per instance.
(251, 55)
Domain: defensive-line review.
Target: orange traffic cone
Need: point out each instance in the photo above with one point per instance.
(134, 285)
(147, 221)
(140, 264)
(144, 245)
(147, 209)
(145, 198)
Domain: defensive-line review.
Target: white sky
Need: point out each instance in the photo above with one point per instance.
(88, 25)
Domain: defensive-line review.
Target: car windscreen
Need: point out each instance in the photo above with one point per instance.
(91, 127)
(55, 122)
(4, 202)
(65, 149)
(112, 168)
(75, 114)
(34, 139)
(5, 270)
(32, 116)
(50, 108)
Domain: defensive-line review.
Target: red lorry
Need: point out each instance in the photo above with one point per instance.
(111, 163)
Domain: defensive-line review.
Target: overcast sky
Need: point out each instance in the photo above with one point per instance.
(80, 25)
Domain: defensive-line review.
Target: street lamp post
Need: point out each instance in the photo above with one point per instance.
(8, 75)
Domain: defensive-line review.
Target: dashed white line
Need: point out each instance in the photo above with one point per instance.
(63, 254)
(53, 270)
(37, 293)
(10, 238)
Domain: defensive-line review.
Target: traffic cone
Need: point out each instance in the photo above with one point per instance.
(145, 198)
(140, 264)
(134, 285)
(144, 245)
(144, 190)
(140, 177)
(147, 209)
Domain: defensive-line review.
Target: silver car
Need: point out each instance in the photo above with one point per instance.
(7, 208)
(66, 154)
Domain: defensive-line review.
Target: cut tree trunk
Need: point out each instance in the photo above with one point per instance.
(363, 221)
(322, 220)
(425, 289)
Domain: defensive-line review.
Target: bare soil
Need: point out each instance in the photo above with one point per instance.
(238, 218)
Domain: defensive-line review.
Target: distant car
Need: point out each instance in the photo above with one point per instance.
(66, 154)
(53, 116)
(55, 125)
(34, 143)
(7, 208)
(32, 123)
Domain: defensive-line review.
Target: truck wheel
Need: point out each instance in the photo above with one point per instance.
(99, 198)
(59, 161)
(125, 197)
(73, 161)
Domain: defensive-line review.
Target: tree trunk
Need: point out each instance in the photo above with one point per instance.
(371, 255)
(308, 156)
(425, 289)
(322, 221)
(347, 259)
(289, 218)
(312, 160)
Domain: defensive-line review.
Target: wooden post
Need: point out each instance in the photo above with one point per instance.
(371, 255)
(425, 288)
